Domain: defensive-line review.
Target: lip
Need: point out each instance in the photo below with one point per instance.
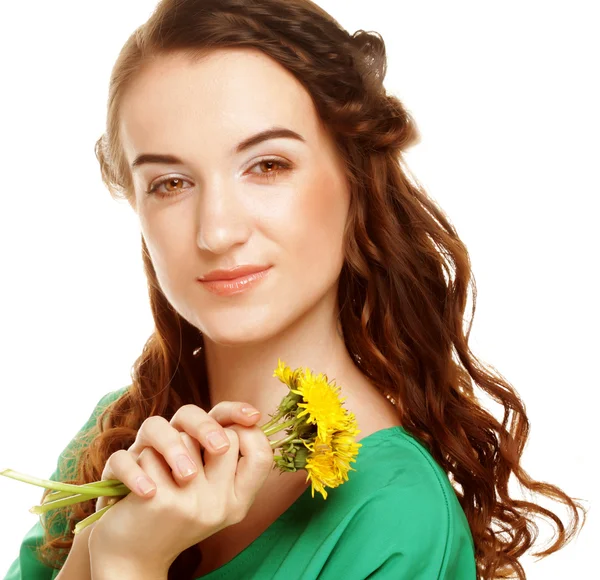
(234, 280)
(232, 273)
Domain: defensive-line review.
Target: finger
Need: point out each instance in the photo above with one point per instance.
(197, 423)
(229, 412)
(194, 449)
(222, 467)
(156, 467)
(157, 433)
(122, 465)
(255, 463)
(192, 444)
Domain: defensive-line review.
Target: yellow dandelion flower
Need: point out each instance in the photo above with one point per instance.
(321, 403)
(320, 468)
(328, 462)
(284, 373)
(345, 449)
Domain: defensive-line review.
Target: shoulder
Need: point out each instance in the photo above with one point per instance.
(100, 406)
(405, 512)
(68, 457)
(111, 396)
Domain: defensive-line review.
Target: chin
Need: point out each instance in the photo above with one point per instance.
(236, 331)
(234, 339)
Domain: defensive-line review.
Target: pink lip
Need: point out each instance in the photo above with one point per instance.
(233, 281)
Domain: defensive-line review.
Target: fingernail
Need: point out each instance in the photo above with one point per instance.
(186, 466)
(144, 485)
(217, 440)
(250, 411)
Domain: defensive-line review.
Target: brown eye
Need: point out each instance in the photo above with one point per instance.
(270, 168)
(171, 182)
(268, 165)
(172, 185)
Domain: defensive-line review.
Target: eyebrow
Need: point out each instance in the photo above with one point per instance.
(272, 133)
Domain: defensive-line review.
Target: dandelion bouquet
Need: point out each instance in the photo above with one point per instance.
(319, 438)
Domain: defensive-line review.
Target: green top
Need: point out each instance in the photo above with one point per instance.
(397, 517)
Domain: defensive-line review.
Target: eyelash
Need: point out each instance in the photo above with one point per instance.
(268, 175)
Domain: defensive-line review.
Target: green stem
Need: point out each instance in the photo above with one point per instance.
(278, 427)
(105, 483)
(63, 495)
(96, 485)
(272, 421)
(52, 505)
(59, 486)
(289, 439)
(91, 519)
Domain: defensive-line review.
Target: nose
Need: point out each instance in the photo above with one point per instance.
(223, 221)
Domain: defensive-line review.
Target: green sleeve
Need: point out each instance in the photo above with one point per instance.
(414, 533)
(27, 566)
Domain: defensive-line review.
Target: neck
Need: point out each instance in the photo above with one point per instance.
(244, 372)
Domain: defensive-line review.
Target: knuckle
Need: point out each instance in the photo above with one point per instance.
(160, 436)
(223, 411)
(188, 410)
(117, 461)
(263, 458)
(188, 418)
(215, 517)
(220, 405)
(119, 455)
(120, 465)
(152, 422)
(238, 514)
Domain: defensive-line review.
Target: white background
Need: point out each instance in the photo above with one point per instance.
(506, 99)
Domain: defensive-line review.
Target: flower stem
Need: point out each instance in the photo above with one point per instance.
(97, 485)
(52, 505)
(278, 427)
(59, 486)
(91, 519)
(273, 421)
(289, 439)
(71, 499)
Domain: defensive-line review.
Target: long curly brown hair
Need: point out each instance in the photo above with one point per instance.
(402, 293)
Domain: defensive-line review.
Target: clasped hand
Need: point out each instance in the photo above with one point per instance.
(148, 532)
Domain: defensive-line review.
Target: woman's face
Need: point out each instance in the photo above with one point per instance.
(279, 203)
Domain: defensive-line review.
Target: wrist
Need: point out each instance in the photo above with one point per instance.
(105, 564)
(110, 569)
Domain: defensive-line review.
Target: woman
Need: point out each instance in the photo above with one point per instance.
(259, 135)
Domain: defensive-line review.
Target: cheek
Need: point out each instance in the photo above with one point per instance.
(320, 217)
(167, 241)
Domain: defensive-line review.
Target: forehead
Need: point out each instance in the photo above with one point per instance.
(217, 100)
